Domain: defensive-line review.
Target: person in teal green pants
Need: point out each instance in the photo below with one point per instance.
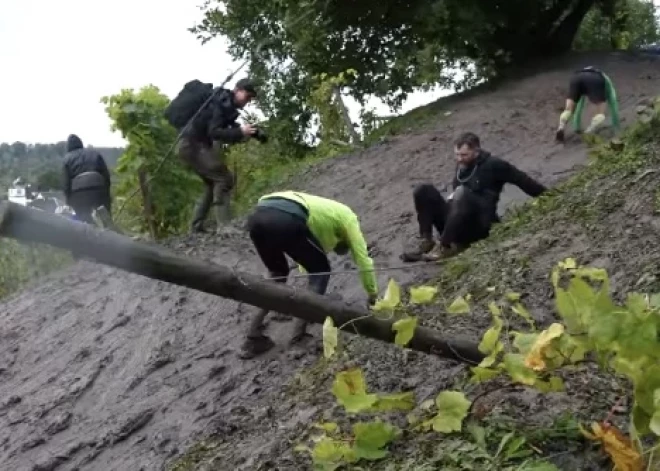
(597, 87)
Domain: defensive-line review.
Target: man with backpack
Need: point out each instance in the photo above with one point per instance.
(207, 117)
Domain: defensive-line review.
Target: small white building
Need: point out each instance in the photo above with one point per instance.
(19, 193)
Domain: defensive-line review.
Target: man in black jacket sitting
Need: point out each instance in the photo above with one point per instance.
(472, 207)
(86, 181)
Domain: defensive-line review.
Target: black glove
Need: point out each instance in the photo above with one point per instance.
(372, 300)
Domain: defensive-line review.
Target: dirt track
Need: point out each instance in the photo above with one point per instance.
(104, 370)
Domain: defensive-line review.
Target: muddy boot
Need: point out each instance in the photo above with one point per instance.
(441, 252)
(425, 246)
(201, 210)
(256, 342)
(255, 345)
(299, 332)
(222, 213)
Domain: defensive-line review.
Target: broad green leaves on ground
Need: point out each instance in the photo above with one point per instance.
(452, 408)
(350, 389)
(623, 336)
(368, 442)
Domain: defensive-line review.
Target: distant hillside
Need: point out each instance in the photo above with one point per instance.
(40, 163)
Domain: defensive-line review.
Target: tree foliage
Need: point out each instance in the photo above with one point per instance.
(167, 190)
(397, 47)
(618, 24)
(393, 46)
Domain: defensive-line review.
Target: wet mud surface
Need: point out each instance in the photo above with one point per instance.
(105, 370)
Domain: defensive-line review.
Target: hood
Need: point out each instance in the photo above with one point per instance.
(73, 142)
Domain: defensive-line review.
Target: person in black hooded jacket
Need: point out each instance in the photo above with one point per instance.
(472, 207)
(86, 180)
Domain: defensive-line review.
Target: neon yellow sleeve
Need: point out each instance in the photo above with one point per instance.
(360, 254)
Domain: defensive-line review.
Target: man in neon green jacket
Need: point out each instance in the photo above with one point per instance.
(594, 85)
(304, 227)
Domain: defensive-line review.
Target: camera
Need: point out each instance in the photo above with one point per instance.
(260, 135)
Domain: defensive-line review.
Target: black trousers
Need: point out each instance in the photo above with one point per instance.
(276, 233)
(462, 221)
(591, 84)
(84, 202)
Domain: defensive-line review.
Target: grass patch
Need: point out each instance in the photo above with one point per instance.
(23, 263)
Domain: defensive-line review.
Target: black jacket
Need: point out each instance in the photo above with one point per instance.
(217, 121)
(488, 174)
(86, 166)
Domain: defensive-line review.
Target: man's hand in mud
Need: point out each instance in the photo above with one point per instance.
(372, 301)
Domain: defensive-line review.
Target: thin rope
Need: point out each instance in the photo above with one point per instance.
(356, 271)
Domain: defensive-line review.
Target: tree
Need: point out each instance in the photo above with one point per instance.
(49, 180)
(618, 24)
(393, 46)
(167, 189)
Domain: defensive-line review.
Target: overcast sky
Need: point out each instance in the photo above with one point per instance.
(58, 58)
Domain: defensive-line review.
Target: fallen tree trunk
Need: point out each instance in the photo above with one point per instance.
(110, 248)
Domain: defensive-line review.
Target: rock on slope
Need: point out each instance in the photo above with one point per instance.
(102, 369)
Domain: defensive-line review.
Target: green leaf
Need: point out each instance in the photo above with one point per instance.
(480, 374)
(329, 337)
(329, 427)
(371, 438)
(491, 337)
(512, 297)
(524, 313)
(391, 299)
(350, 390)
(422, 294)
(452, 407)
(459, 306)
(328, 454)
(494, 309)
(405, 330)
(398, 401)
(514, 363)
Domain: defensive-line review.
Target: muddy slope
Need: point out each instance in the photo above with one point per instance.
(101, 369)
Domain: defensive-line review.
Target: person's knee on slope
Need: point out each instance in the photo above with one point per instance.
(305, 228)
(594, 85)
(471, 209)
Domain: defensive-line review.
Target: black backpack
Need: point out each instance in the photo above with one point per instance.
(189, 100)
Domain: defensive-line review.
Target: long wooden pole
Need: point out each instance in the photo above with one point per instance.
(107, 247)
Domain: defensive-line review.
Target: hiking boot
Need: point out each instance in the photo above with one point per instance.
(198, 228)
(222, 212)
(425, 246)
(441, 252)
(299, 332)
(255, 345)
